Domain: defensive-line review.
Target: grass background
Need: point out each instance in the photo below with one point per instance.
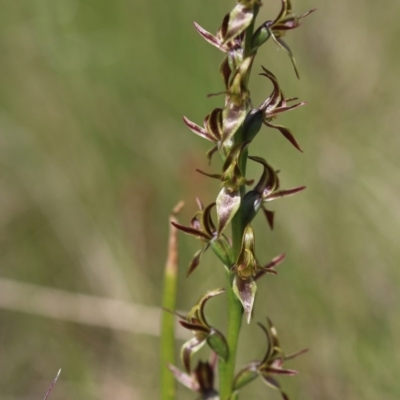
(93, 155)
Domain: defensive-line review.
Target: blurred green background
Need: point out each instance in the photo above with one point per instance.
(94, 154)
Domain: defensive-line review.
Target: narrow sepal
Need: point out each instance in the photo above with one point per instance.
(278, 371)
(185, 379)
(226, 70)
(276, 96)
(213, 123)
(273, 384)
(286, 133)
(284, 46)
(269, 179)
(201, 304)
(198, 130)
(210, 38)
(296, 354)
(274, 336)
(217, 343)
(196, 260)
(270, 267)
(190, 231)
(206, 220)
(210, 153)
(204, 375)
(283, 193)
(228, 202)
(282, 109)
(245, 291)
(197, 328)
(213, 176)
(270, 216)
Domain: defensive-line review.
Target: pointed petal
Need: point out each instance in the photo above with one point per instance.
(282, 12)
(198, 130)
(276, 96)
(286, 133)
(279, 371)
(184, 379)
(223, 28)
(226, 71)
(269, 268)
(270, 217)
(269, 344)
(307, 13)
(199, 203)
(205, 377)
(283, 193)
(208, 36)
(273, 384)
(269, 179)
(191, 346)
(214, 123)
(274, 335)
(201, 304)
(196, 260)
(194, 327)
(296, 354)
(214, 176)
(210, 153)
(280, 110)
(284, 46)
(190, 231)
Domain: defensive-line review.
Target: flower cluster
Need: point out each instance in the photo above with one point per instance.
(232, 129)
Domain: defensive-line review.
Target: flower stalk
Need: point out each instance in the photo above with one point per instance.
(168, 383)
(232, 129)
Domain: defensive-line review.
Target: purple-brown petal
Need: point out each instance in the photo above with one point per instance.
(210, 38)
(283, 193)
(185, 379)
(196, 260)
(191, 231)
(286, 133)
(199, 130)
(270, 216)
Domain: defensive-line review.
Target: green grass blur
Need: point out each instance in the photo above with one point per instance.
(94, 154)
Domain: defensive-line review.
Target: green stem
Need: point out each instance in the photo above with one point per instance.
(235, 309)
(168, 382)
(227, 369)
